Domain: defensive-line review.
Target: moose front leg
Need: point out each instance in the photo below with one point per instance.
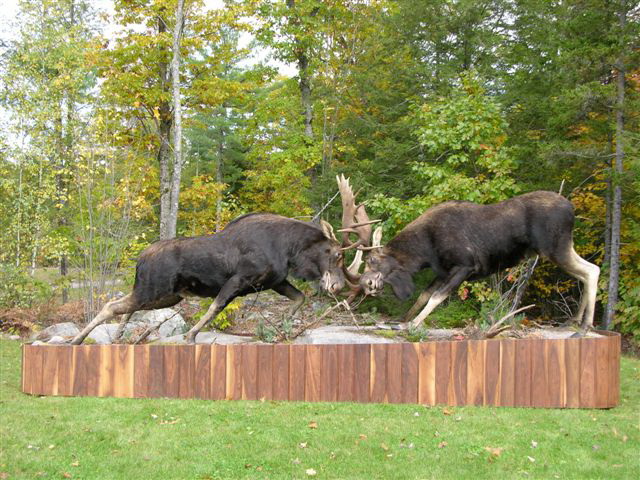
(229, 291)
(292, 293)
(453, 281)
(423, 299)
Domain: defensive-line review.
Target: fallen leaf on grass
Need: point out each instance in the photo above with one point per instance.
(4, 475)
(296, 461)
(534, 444)
(494, 452)
(384, 447)
(446, 411)
(169, 422)
(75, 464)
(310, 471)
(442, 444)
(313, 425)
(624, 438)
(363, 436)
(531, 459)
(303, 445)
(595, 447)
(66, 475)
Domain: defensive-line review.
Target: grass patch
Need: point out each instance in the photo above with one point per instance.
(49, 437)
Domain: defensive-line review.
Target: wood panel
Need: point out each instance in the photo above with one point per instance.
(588, 372)
(539, 379)
(202, 374)
(507, 372)
(602, 374)
(156, 371)
(362, 374)
(378, 373)
(312, 367)
(522, 373)
(329, 374)
(346, 373)
(443, 372)
(49, 371)
(573, 373)
(410, 373)
(250, 372)
(265, 372)
(427, 373)
(457, 393)
(186, 371)
(219, 379)
(556, 373)
(572, 369)
(394, 373)
(475, 372)
(297, 372)
(141, 371)
(281, 372)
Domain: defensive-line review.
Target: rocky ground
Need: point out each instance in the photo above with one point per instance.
(264, 317)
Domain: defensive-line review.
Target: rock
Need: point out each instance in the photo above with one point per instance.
(67, 329)
(173, 324)
(339, 335)
(103, 334)
(56, 340)
(209, 338)
(36, 343)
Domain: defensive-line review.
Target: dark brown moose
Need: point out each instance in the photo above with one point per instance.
(466, 241)
(254, 252)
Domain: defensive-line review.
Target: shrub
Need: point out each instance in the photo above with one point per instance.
(19, 289)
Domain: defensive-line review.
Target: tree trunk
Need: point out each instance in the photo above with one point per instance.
(219, 174)
(172, 218)
(165, 122)
(616, 202)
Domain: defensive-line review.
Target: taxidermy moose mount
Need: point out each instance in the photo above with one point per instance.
(254, 252)
(465, 241)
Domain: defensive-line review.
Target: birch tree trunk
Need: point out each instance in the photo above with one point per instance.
(172, 219)
(616, 201)
(165, 121)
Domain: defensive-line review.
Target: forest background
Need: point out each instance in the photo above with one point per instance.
(158, 118)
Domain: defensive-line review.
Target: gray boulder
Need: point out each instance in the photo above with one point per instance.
(209, 338)
(67, 329)
(171, 322)
(104, 334)
(56, 340)
(339, 335)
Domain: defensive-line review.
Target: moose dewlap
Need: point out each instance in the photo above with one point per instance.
(557, 373)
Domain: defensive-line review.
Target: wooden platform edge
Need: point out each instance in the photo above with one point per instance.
(544, 373)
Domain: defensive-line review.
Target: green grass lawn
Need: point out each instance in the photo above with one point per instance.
(42, 437)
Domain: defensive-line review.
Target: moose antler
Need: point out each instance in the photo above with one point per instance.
(354, 217)
(355, 221)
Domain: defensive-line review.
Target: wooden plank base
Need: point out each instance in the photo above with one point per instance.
(564, 373)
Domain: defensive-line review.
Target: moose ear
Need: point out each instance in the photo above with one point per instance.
(327, 229)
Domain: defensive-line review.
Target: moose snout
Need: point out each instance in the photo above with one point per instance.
(332, 283)
(372, 283)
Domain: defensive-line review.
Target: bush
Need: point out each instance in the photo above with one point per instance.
(20, 289)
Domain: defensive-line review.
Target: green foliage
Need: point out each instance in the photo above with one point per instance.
(464, 155)
(20, 289)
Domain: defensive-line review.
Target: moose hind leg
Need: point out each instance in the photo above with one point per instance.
(588, 274)
(126, 304)
(456, 276)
